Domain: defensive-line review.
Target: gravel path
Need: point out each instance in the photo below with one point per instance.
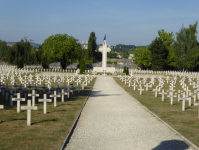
(113, 120)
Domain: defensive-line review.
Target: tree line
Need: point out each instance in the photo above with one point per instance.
(56, 48)
(167, 53)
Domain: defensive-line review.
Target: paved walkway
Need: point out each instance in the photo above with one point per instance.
(113, 120)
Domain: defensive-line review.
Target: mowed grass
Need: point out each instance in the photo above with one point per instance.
(47, 131)
(185, 122)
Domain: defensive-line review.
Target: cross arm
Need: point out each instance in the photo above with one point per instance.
(29, 107)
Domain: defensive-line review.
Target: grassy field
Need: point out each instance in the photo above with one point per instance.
(185, 122)
(46, 131)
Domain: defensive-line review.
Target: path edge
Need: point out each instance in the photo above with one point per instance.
(176, 132)
(66, 141)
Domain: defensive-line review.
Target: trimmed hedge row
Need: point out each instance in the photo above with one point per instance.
(110, 62)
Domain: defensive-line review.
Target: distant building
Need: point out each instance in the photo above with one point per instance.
(84, 45)
(10, 45)
(130, 56)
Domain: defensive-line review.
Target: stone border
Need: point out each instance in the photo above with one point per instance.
(176, 132)
(66, 141)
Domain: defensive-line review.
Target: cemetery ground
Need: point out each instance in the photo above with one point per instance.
(185, 122)
(47, 131)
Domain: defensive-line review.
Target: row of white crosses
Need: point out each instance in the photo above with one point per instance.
(32, 106)
(187, 95)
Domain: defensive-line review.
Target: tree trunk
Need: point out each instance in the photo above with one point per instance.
(63, 63)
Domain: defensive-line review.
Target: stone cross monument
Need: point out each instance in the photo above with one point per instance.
(104, 49)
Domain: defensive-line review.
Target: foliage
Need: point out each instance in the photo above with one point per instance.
(142, 56)
(127, 71)
(111, 55)
(168, 39)
(122, 46)
(74, 61)
(159, 54)
(124, 71)
(185, 47)
(92, 45)
(21, 53)
(61, 48)
(111, 62)
(3, 47)
(32, 44)
(89, 61)
(42, 59)
(86, 54)
(82, 64)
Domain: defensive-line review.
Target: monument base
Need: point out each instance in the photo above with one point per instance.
(108, 69)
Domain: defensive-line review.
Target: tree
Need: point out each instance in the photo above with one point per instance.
(86, 54)
(159, 54)
(168, 39)
(111, 55)
(92, 45)
(5, 52)
(142, 56)
(42, 59)
(3, 47)
(185, 47)
(23, 53)
(61, 48)
(82, 64)
(127, 71)
(124, 71)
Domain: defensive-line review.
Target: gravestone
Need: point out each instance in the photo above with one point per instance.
(33, 97)
(55, 98)
(18, 99)
(45, 100)
(29, 108)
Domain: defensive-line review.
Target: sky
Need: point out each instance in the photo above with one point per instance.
(130, 22)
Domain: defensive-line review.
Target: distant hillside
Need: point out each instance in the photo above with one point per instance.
(122, 46)
(33, 44)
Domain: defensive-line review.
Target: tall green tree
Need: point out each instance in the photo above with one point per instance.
(3, 47)
(124, 71)
(61, 48)
(159, 54)
(24, 54)
(42, 59)
(142, 56)
(92, 45)
(82, 64)
(5, 54)
(168, 39)
(127, 71)
(185, 47)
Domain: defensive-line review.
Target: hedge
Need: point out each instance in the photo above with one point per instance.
(110, 62)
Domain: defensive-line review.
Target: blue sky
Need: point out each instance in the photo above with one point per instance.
(134, 22)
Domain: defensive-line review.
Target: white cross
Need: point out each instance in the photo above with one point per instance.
(104, 49)
(183, 103)
(171, 97)
(18, 99)
(45, 100)
(33, 97)
(141, 90)
(156, 91)
(29, 108)
(55, 98)
(62, 95)
(163, 95)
